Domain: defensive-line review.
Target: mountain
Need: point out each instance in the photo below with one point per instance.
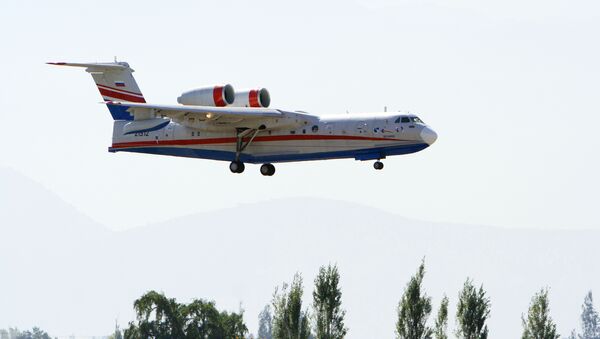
(91, 276)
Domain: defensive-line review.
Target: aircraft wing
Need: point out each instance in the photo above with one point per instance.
(201, 113)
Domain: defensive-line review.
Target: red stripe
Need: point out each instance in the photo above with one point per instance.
(253, 98)
(218, 96)
(120, 96)
(120, 90)
(209, 141)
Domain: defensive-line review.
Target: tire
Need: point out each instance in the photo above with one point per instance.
(267, 170)
(236, 167)
(378, 165)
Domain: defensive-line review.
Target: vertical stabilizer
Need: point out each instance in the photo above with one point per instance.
(115, 82)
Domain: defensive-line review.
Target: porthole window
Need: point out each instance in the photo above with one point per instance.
(315, 129)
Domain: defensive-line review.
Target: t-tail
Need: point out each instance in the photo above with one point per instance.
(115, 82)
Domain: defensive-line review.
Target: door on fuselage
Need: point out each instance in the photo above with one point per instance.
(168, 132)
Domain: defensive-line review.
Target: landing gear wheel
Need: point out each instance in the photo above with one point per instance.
(267, 170)
(236, 167)
(378, 165)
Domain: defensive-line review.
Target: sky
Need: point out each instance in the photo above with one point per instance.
(509, 86)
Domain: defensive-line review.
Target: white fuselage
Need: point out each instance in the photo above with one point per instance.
(301, 137)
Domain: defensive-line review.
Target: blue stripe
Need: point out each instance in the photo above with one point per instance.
(155, 128)
(364, 154)
(119, 112)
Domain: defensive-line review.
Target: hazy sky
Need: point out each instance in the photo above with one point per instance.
(511, 87)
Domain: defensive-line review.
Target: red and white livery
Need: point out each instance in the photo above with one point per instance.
(220, 123)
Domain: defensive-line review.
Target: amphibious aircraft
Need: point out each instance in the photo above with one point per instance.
(220, 123)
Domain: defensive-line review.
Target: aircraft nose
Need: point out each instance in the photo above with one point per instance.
(428, 135)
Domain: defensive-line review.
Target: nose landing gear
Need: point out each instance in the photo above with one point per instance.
(378, 165)
(267, 170)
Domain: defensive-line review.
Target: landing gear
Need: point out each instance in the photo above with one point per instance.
(267, 170)
(237, 167)
(378, 165)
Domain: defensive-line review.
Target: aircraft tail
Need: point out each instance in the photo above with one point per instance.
(115, 82)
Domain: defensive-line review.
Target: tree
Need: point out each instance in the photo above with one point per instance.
(590, 322)
(327, 302)
(539, 324)
(414, 309)
(233, 325)
(35, 333)
(472, 312)
(117, 334)
(160, 317)
(573, 335)
(441, 322)
(265, 323)
(289, 321)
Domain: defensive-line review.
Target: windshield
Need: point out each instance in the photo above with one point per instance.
(417, 120)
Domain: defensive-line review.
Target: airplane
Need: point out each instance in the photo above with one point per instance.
(220, 123)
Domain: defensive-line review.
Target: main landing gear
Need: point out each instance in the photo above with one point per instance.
(378, 165)
(267, 170)
(237, 166)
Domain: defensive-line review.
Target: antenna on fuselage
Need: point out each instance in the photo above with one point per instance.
(385, 108)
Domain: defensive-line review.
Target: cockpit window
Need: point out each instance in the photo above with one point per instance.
(402, 119)
(417, 120)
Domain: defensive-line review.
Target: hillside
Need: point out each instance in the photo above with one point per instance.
(65, 273)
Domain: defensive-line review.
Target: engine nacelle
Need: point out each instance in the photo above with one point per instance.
(252, 98)
(219, 96)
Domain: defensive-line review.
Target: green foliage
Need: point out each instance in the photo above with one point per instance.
(14, 333)
(472, 312)
(265, 323)
(327, 302)
(539, 324)
(289, 321)
(414, 309)
(159, 317)
(590, 322)
(441, 322)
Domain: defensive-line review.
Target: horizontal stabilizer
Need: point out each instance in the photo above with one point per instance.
(94, 66)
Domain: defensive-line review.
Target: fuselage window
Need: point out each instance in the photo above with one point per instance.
(292, 132)
(315, 129)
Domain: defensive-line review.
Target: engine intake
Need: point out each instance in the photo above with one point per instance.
(252, 98)
(219, 96)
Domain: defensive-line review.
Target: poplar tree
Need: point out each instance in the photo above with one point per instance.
(289, 320)
(590, 322)
(473, 310)
(327, 305)
(441, 322)
(538, 324)
(414, 309)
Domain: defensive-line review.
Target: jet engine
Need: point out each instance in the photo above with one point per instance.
(252, 98)
(209, 96)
